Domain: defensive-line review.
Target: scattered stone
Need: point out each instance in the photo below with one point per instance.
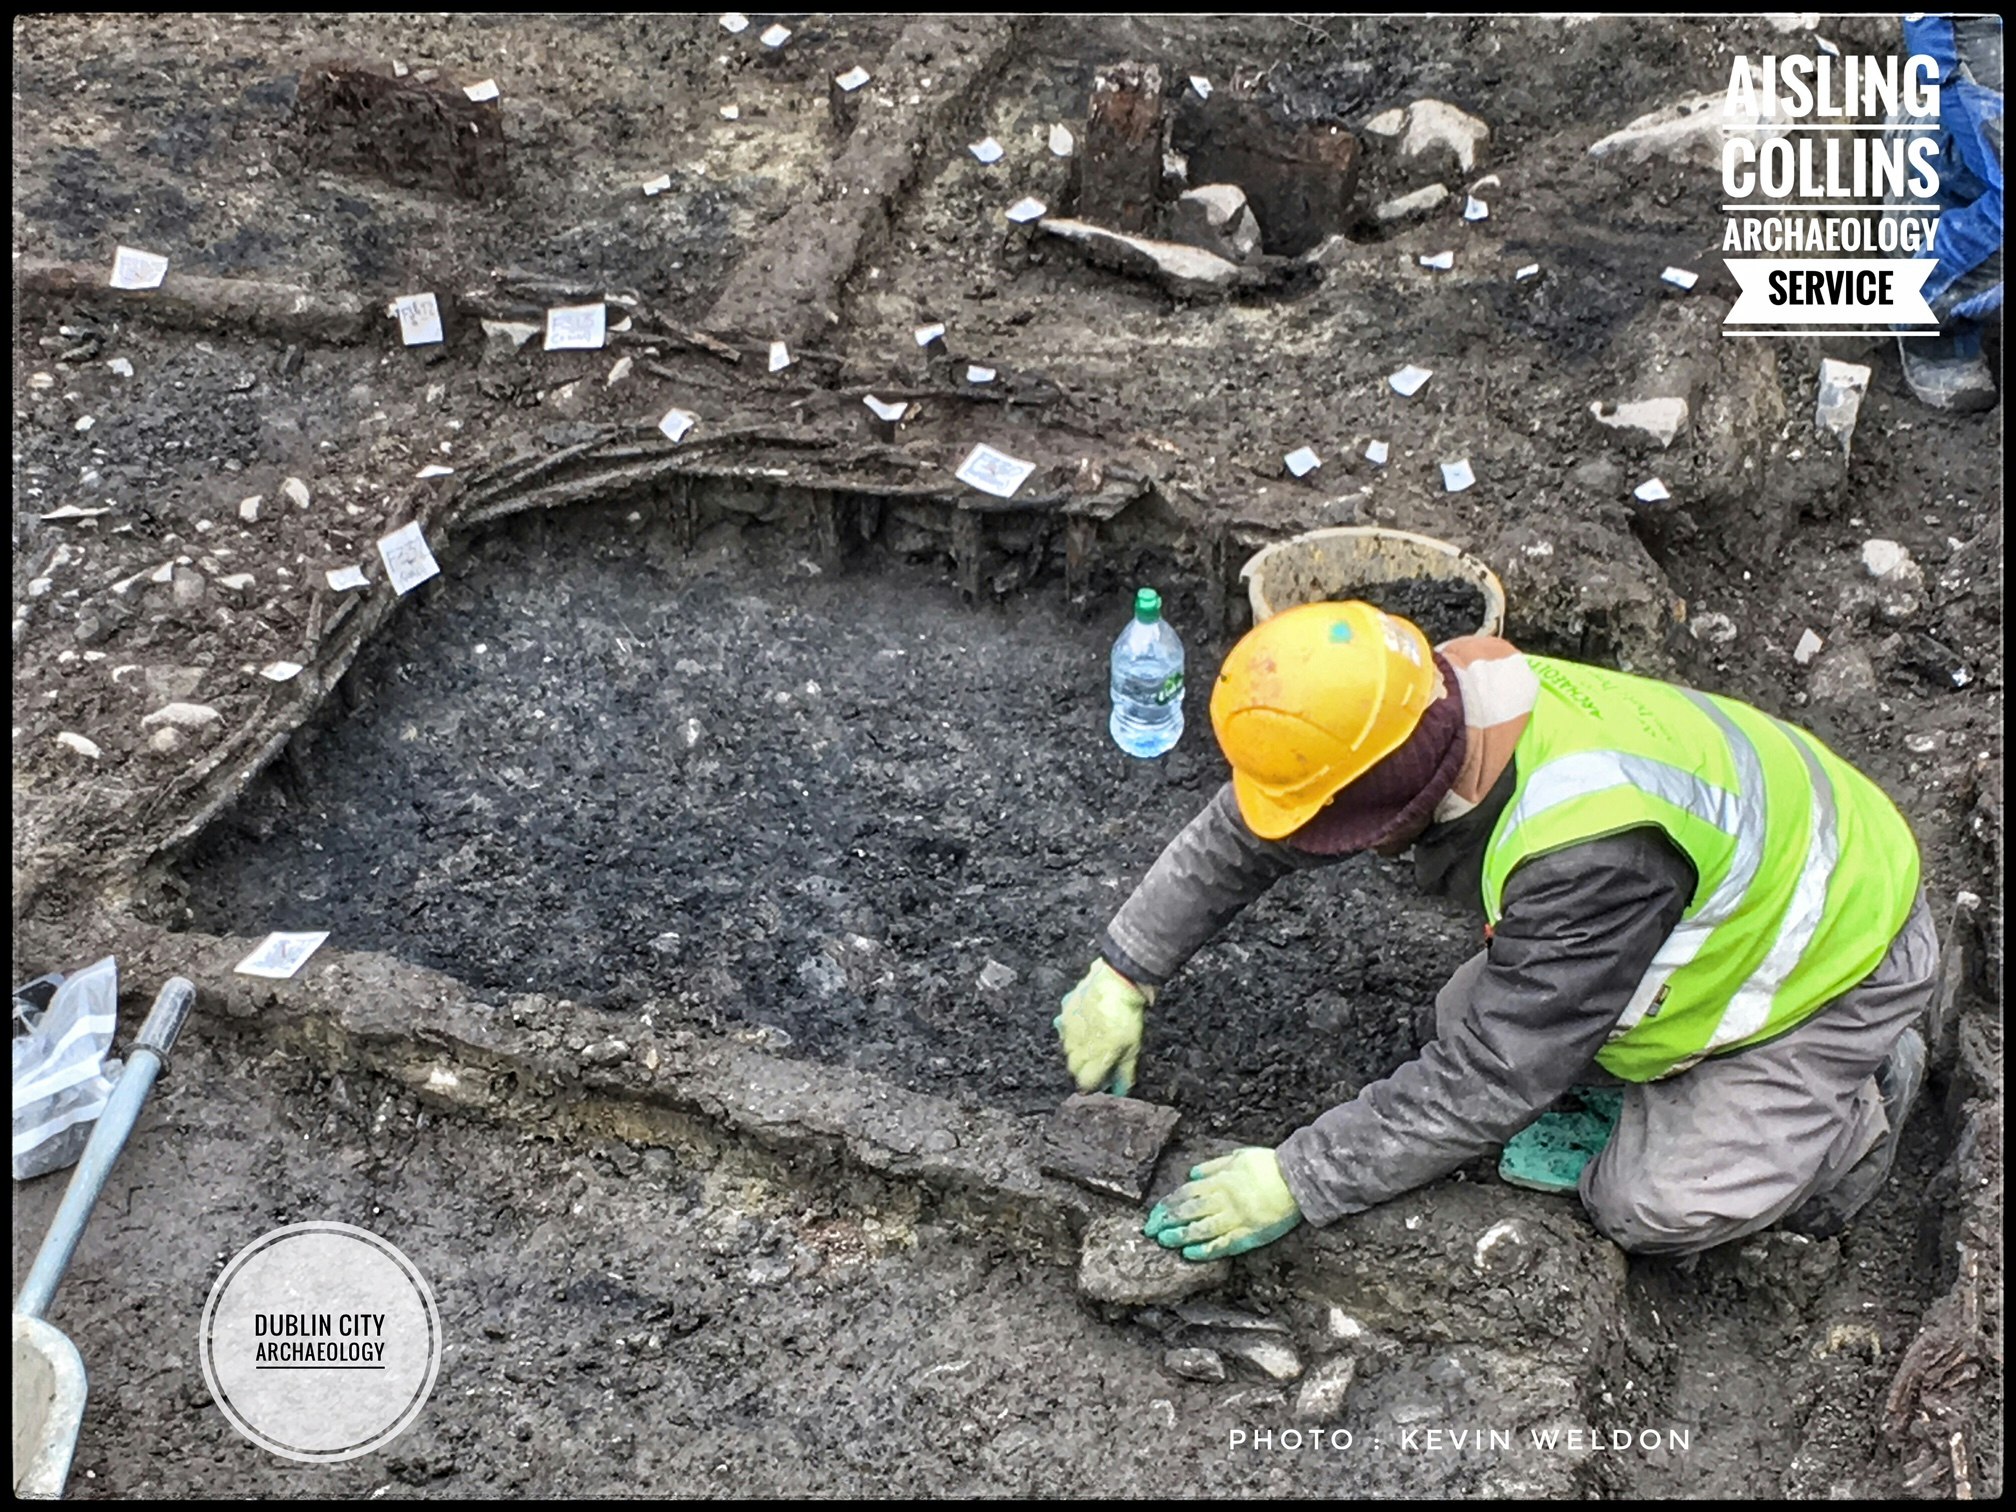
(1420, 202)
(1119, 1263)
(1195, 1364)
(188, 587)
(1213, 1315)
(1187, 271)
(170, 684)
(617, 373)
(41, 381)
(1716, 629)
(1808, 647)
(121, 368)
(1388, 123)
(280, 671)
(1216, 218)
(1475, 209)
(79, 744)
(1921, 745)
(1882, 558)
(500, 335)
(1436, 126)
(1026, 209)
(1842, 385)
(995, 977)
(165, 740)
(1109, 1144)
(1661, 419)
(1504, 1249)
(1688, 131)
(1652, 491)
(690, 733)
(1270, 1357)
(1325, 1389)
(183, 716)
(296, 491)
(987, 150)
(1120, 168)
(605, 1052)
(1845, 675)
(1062, 142)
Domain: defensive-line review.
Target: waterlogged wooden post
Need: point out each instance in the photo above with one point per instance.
(1120, 167)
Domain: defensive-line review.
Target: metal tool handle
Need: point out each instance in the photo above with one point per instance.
(144, 1060)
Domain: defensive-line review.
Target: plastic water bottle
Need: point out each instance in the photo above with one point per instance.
(1147, 681)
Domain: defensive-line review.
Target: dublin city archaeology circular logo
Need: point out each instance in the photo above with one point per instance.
(321, 1342)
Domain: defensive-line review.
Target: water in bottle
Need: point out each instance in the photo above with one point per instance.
(1147, 681)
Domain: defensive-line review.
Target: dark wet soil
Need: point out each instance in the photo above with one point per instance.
(592, 768)
(1444, 608)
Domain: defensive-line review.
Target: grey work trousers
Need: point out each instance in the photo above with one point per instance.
(1737, 1142)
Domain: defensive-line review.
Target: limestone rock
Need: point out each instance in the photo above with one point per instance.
(1195, 1364)
(1119, 1263)
(1217, 218)
(183, 716)
(1420, 202)
(1436, 126)
(1187, 271)
(1324, 1390)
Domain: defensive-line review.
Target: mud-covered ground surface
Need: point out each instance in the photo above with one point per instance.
(512, 824)
(823, 804)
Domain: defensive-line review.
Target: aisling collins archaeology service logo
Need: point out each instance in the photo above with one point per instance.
(1830, 180)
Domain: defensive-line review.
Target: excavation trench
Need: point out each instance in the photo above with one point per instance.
(836, 806)
(690, 773)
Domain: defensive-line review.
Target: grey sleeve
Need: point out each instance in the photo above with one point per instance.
(1578, 929)
(1213, 868)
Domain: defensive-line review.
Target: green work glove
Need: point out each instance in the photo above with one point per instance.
(1230, 1205)
(1101, 1030)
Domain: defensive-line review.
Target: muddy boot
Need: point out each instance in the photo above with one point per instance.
(1898, 1079)
(1948, 372)
(1548, 1154)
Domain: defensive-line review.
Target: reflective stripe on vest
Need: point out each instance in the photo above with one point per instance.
(1724, 828)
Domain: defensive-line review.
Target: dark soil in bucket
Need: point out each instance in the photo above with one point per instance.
(1444, 608)
(729, 787)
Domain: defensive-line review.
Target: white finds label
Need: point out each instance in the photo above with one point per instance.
(134, 269)
(419, 319)
(994, 472)
(281, 955)
(408, 562)
(576, 328)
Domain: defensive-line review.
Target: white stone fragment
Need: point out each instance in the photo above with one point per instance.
(296, 491)
(85, 422)
(731, 112)
(183, 716)
(280, 671)
(248, 508)
(1062, 143)
(235, 582)
(121, 368)
(1531, 270)
(434, 470)
(1025, 210)
(1388, 123)
(618, 371)
(1302, 461)
(1202, 85)
(1880, 558)
(1651, 491)
(1716, 629)
(987, 150)
(1419, 202)
(78, 743)
(1808, 647)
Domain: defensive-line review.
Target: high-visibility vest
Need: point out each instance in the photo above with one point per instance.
(1805, 870)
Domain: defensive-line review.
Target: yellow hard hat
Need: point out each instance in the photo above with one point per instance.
(1312, 699)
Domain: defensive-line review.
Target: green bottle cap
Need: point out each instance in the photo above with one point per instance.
(1147, 605)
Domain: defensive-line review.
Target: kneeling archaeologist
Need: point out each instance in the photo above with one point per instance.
(1683, 897)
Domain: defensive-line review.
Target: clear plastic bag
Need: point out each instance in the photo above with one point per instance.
(61, 1075)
